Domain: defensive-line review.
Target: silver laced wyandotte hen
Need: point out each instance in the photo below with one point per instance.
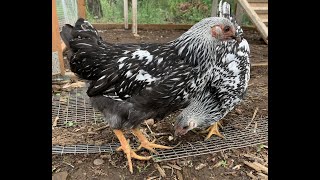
(227, 87)
(131, 83)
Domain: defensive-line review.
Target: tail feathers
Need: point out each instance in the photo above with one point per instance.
(66, 34)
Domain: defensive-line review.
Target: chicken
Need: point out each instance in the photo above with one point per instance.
(225, 90)
(130, 83)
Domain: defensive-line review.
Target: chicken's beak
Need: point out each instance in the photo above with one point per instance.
(233, 36)
(179, 132)
(233, 33)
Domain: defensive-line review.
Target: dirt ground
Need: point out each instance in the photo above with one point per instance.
(230, 164)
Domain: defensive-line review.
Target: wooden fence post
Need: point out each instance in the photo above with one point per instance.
(81, 9)
(214, 8)
(125, 13)
(56, 40)
(134, 17)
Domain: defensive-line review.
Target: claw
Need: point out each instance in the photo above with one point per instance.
(214, 130)
(146, 144)
(125, 147)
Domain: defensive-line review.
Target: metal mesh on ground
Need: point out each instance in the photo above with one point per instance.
(75, 107)
(234, 138)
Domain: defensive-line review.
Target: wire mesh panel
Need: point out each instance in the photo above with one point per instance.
(74, 107)
(83, 148)
(234, 138)
(67, 11)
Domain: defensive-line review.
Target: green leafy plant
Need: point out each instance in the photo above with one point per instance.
(260, 147)
(70, 123)
(223, 163)
(156, 12)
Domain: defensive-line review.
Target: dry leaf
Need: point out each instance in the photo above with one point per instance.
(253, 116)
(253, 157)
(55, 121)
(200, 166)
(161, 171)
(256, 166)
(166, 167)
(238, 111)
(175, 166)
(218, 164)
(78, 84)
(179, 175)
(153, 177)
(263, 176)
(237, 167)
(252, 176)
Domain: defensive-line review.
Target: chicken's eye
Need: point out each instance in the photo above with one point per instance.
(227, 28)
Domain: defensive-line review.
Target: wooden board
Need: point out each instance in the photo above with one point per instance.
(260, 9)
(253, 15)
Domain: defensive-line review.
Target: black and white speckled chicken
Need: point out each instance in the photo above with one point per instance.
(226, 88)
(131, 83)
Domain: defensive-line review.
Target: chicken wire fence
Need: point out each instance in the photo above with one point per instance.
(75, 107)
(67, 12)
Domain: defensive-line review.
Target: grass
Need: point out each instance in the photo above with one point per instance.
(157, 11)
(143, 169)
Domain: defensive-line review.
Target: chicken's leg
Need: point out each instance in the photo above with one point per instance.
(146, 144)
(214, 129)
(127, 149)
